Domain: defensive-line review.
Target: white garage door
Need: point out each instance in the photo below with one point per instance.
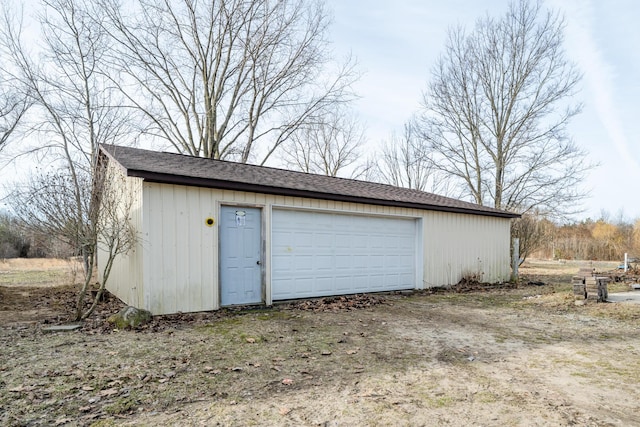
(319, 254)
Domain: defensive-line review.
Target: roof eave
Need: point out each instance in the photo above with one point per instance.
(163, 178)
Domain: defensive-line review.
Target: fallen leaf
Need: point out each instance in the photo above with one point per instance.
(109, 392)
(287, 381)
(285, 411)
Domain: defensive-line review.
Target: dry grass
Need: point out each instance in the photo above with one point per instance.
(524, 356)
(39, 272)
(29, 264)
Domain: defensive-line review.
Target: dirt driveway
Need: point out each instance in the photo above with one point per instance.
(523, 356)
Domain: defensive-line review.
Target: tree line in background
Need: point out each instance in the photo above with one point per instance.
(255, 81)
(602, 239)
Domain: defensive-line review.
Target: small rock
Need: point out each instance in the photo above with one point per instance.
(326, 353)
(130, 317)
(287, 381)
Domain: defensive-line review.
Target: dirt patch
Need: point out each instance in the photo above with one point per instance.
(505, 356)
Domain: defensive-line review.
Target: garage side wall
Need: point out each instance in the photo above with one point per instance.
(125, 280)
(181, 252)
(180, 248)
(458, 245)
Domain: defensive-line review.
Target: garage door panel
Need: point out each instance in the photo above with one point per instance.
(323, 286)
(304, 263)
(321, 253)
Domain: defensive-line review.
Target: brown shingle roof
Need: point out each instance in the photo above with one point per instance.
(172, 168)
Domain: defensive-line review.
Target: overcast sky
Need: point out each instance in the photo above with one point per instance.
(396, 44)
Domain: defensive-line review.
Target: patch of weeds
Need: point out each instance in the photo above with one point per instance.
(251, 338)
(222, 326)
(486, 397)
(501, 339)
(450, 355)
(123, 405)
(104, 423)
(274, 315)
(618, 311)
(440, 401)
(581, 374)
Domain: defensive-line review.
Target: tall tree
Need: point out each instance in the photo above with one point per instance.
(73, 112)
(226, 78)
(14, 99)
(496, 112)
(329, 147)
(405, 161)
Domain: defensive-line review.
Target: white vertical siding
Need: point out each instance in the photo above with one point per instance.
(181, 252)
(125, 280)
(180, 260)
(456, 245)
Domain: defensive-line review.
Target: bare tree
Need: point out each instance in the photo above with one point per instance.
(48, 205)
(327, 148)
(405, 161)
(496, 111)
(533, 231)
(14, 101)
(225, 79)
(13, 107)
(74, 110)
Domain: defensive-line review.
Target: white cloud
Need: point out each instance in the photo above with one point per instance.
(599, 75)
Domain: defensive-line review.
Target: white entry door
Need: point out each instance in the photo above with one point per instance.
(240, 256)
(322, 253)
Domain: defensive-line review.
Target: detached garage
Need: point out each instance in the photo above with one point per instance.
(213, 233)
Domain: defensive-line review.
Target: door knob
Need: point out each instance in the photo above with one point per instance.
(258, 262)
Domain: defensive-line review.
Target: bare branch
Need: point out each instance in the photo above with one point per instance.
(231, 79)
(329, 147)
(497, 109)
